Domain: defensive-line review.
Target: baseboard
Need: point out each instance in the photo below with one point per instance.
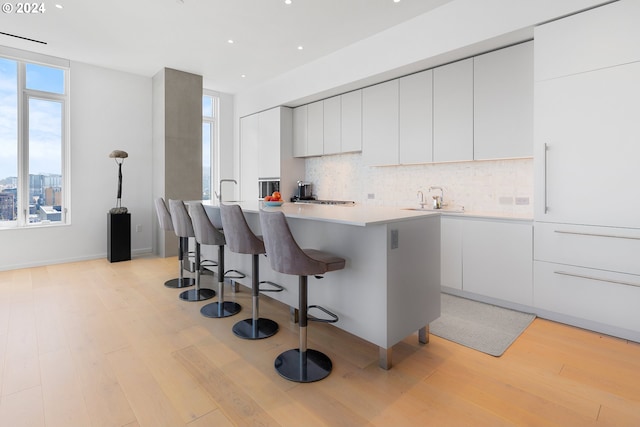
(142, 251)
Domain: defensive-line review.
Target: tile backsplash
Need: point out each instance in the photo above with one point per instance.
(493, 186)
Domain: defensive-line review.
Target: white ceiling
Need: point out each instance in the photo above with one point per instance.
(143, 36)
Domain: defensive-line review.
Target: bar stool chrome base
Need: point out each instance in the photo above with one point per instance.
(201, 294)
(305, 367)
(184, 282)
(250, 330)
(217, 311)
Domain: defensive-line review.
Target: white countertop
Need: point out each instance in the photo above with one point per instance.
(358, 214)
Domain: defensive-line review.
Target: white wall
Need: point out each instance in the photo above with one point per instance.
(109, 110)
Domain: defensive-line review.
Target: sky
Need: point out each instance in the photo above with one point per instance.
(45, 119)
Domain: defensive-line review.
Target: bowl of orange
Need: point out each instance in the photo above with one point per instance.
(275, 199)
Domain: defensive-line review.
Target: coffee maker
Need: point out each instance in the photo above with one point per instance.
(304, 191)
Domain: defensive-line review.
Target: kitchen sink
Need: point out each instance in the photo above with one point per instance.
(443, 210)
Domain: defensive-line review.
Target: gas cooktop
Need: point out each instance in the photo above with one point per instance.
(326, 202)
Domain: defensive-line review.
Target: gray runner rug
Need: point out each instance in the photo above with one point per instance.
(479, 326)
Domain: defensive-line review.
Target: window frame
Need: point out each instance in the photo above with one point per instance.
(214, 140)
(23, 144)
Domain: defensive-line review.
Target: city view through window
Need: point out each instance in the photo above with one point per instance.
(31, 156)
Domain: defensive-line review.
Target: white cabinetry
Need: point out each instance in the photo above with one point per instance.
(587, 155)
(497, 259)
(380, 124)
(591, 274)
(332, 136)
(451, 252)
(453, 111)
(269, 144)
(315, 129)
(300, 131)
(488, 257)
(415, 139)
(266, 152)
(601, 37)
(330, 126)
(587, 104)
(249, 131)
(351, 121)
(503, 103)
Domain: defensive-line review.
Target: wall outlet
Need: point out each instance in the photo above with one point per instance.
(394, 239)
(522, 200)
(505, 200)
(139, 228)
(371, 196)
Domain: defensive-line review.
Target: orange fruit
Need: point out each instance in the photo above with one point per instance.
(275, 196)
(268, 199)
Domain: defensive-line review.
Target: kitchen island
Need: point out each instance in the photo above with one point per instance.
(390, 286)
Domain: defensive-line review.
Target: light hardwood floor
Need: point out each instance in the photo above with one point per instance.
(99, 344)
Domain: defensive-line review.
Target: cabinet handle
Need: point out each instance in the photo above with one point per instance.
(582, 276)
(546, 150)
(613, 236)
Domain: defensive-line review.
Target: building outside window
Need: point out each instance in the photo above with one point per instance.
(210, 108)
(34, 143)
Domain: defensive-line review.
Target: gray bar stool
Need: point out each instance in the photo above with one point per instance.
(208, 234)
(164, 219)
(242, 240)
(285, 256)
(184, 228)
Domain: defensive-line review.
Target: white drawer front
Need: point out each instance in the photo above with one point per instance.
(594, 295)
(606, 248)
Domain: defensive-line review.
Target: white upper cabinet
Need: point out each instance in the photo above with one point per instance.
(269, 144)
(416, 118)
(300, 131)
(380, 124)
(351, 121)
(315, 129)
(332, 120)
(453, 111)
(503, 103)
(601, 37)
(249, 141)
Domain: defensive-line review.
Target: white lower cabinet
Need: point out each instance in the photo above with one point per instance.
(488, 257)
(594, 299)
(497, 259)
(451, 252)
(589, 276)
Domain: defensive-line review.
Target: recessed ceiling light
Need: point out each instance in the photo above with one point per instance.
(59, 6)
(230, 41)
(243, 75)
(287, 1)
(396, 1)
(300, 47)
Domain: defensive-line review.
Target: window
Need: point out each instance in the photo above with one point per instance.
(210, 105)
(33, 143)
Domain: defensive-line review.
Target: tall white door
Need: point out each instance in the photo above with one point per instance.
(590, 125)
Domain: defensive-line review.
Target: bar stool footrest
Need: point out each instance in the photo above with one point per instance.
(234, 274)
(274, 287)
(333, 317)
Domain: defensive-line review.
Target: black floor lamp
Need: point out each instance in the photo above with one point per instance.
(119, 220)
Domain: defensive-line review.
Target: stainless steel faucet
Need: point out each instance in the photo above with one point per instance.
(219, 192)
(421, 199)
